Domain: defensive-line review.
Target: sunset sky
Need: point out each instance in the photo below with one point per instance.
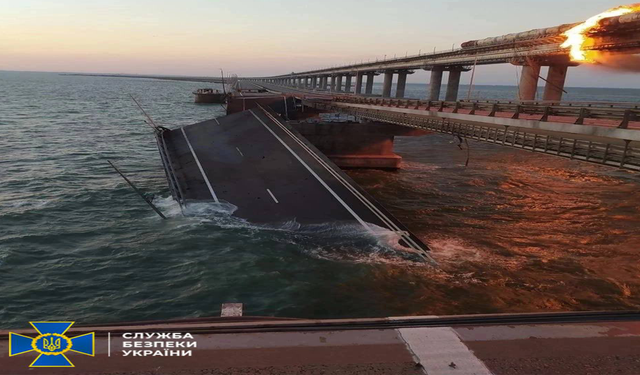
(251, 37)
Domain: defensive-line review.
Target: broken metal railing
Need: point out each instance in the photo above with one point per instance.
(170, 173)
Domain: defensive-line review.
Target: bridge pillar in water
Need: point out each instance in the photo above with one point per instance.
(529, 82)
(453, 85)
(339, 83)
(555, 83)
(347, 83)
(333, 84)
(314, 82)
(306, 82)
(359, 77)
(435, 85)
(323, 82)
(370, 77)
(357, 145)
(402, 83)
(387, 83)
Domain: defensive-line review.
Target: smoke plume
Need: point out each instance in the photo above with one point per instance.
(618, 62)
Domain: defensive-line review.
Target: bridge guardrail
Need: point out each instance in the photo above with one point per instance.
(622, 114)
(616, 153)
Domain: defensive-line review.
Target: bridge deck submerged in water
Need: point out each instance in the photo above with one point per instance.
(271, 174)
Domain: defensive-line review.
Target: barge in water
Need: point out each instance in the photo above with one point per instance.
(210, 96)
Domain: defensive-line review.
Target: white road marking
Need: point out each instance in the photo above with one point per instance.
(272, 196)
(206, 180)
(241, 154)
(335, 195)
(392, 226)
(441, 352)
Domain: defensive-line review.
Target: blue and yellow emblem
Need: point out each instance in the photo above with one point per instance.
(52, 344)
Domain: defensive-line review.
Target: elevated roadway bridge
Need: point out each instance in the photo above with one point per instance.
(531, 49)
(603, 133)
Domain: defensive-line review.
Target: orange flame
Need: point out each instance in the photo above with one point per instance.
(577, 36)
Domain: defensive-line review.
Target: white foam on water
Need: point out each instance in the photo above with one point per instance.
(351, 242)
(336, 241)
(454, 250)
(26, 204)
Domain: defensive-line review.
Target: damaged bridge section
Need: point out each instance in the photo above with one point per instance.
(263, 166)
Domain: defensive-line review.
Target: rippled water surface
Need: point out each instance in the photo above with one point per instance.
(513, 231)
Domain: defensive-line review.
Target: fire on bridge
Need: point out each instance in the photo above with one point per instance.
(610, 38)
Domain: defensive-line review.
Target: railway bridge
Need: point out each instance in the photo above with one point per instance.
(531, 49)
(597, 132)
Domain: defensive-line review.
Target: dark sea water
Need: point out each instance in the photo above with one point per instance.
(514, 231)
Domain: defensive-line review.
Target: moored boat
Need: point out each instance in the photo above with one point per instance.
(210, 96)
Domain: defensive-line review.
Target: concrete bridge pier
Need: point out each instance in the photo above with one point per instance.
(306, 82)
(323, 83)
(370, 77)
(528, 86)
(339, 83)
(333, 83)
(555, 83)
(387, 83)
(402, 82)
(347, 83)
(359, 77)
(435, 85)
(357, 145)
(453, 84)
(314, 82)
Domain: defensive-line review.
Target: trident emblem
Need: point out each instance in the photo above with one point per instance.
(51, 344)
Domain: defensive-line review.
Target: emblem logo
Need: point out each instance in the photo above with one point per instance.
(52, 344)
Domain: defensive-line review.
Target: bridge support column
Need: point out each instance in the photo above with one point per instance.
(306, 82)
(359, 77)
(314, 82)
(339, 83)
(453, 85)
(529, 82)
(370, 77)
(436, 83)
(386, 85)
(333, 84)
(402, 83)
(347, 83)
(323, 83)
(555, 83)
(357, 145)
